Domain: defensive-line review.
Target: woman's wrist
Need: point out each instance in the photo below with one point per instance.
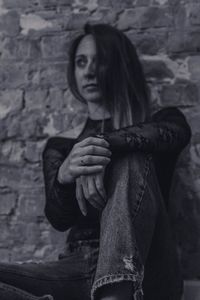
(64, 178)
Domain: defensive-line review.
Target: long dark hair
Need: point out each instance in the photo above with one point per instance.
(119, 73)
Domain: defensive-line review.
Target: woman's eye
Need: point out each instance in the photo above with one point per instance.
(81, 62)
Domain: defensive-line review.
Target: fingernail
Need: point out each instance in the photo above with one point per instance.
(85, 213)
(107, 144)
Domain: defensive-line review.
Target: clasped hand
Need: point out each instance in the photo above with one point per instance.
(86, 166)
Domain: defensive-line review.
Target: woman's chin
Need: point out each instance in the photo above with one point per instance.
(92, 98)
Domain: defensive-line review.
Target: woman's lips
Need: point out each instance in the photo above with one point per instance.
(93, 85)
(90, 87)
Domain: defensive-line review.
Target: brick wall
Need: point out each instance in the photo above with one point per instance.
(35, 103)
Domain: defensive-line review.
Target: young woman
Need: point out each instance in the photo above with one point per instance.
(108, 186)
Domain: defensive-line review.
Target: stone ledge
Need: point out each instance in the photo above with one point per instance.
(191, 290)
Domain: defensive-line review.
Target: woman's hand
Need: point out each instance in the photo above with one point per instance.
(90, 188)
(87, 157)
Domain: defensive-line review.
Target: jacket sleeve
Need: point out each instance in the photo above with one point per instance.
(168, 131)
(61, 208)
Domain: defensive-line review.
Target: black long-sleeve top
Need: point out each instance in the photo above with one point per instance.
(164, 137)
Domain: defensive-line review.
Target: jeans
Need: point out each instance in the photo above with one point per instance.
(135, 245)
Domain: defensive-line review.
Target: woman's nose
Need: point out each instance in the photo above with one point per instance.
(91, 69)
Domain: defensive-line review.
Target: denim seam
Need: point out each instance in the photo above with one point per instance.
(141, 194)
(114, 278)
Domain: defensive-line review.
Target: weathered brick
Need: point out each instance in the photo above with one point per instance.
(11, 102)
(56, 122)
(32, 124)
(193, 12)
(48, 75)
(183, 93)
(7, 203)
(10, 176)
(9, 23)
(75, 21)
(31, 204)
(55, 46)
(30, 232)
(12, 126)
(35, 49)
(184, 41)
(144, 17)
(160, 2)
(5, 255)
(53, 3)
(89, 5)
(12, 151)
(179, 16)
(16, 4)
(143, 2)
(3, 131)
(32, 176)
(150, 42)
(16, 178)
(35, 98)
(117, 5)
(13, 77)
(33, 22)
(157, 69)
(55, 100)
(33, 151)
(5, 232)
(104, 15)
(13, 48)
(193, 65)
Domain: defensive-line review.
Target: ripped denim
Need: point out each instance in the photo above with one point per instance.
(135, 245)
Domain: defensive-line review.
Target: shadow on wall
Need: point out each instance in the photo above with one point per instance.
(184, 201)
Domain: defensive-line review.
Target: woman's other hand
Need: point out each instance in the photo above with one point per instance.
(90, 188)
(87, 157)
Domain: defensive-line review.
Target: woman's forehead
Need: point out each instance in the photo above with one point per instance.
(86, 46)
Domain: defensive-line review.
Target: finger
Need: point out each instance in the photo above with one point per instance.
(92, 160)
(95, 198)
(94, 141)
(86, 170)
(98, 180)
(84, 184)
(80, 197)
(94, 150)
(96, 204)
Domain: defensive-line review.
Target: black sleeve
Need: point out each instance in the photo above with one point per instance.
(168, 131)
(61, 208)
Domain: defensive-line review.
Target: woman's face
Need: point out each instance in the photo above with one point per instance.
(85, 69)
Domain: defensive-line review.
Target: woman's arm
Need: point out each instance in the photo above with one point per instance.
(70, 160)
(167, 132)
(61, 207)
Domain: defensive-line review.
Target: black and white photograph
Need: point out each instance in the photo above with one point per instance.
(99, 150)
